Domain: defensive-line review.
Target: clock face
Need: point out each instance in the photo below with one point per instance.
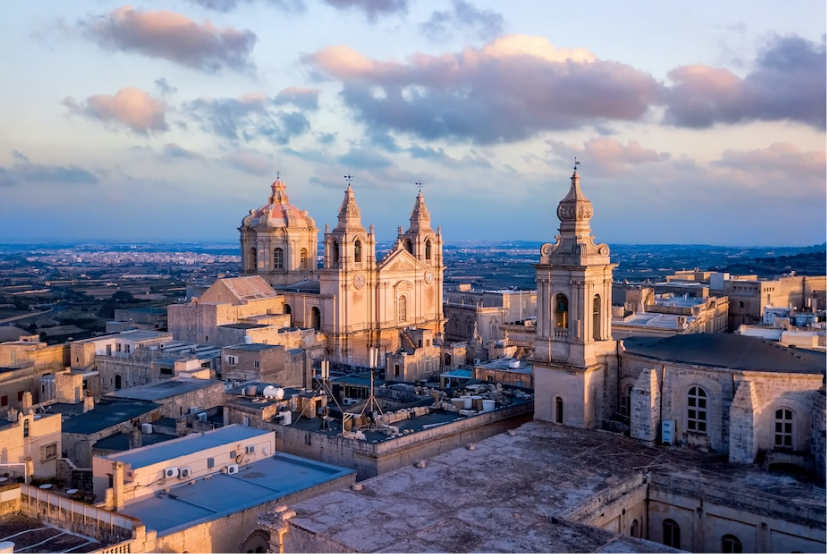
(359, 281)
(429, 276)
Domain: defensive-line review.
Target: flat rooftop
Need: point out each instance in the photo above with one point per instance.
(651, 320)
(517, 494)
(222, 494)
(34, 535)
(188, 444)
(103, 416)
(503, 364)
(728, 351)
(120, 441)
(253, 347)
(162, 390)
(243, 326)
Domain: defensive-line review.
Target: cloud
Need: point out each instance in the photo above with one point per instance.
(19, 156)
(508, 90)
(371, 8)
(788, 83)
(174, 37)
(172, 151)
(247, 118)
(302, 98)
(229, 5)
(250, 161)
(485, 24)
(363, 158)
(606, 156)
(439, 156)
(164, 87)
(23, 172)
(130, 107)
(778, 163)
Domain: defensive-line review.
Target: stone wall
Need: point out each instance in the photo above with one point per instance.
(818, 445)
(645, 408)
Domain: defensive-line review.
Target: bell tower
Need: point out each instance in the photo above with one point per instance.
(575, 356)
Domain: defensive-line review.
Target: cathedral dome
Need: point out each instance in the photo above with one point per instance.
(278, 212)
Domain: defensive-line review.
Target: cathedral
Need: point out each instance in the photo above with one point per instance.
(364, 307)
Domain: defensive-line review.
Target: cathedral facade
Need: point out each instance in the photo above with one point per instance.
(364, 307)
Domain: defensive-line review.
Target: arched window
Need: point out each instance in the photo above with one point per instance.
(118, 382)
(696, 410)
(25, 428)
(303, 258)
(428, 249)
(402, 311)
(561, 313)
(287, 309)
(357, 251)
(278, 258)
(408, 245)
(626, 402)
(315, 318)
(334, 251)
(671, 533)
(253, 258)
(558, 410)
(596, 317)
(634, 530)
(784, 428)
(396, 370)
(730, 543)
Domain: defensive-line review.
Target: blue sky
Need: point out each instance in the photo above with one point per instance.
(696, 122)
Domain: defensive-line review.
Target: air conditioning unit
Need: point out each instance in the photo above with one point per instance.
(184, 473)
(232, 469)
(266, 450)
(667, 431)
(251, 449)
(193, 410)
(350, 401)
(170, 472)
(202, 416)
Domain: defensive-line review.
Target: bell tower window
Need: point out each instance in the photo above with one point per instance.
(334, 251)
(561, 313)
(357, 251)
(253, 258)
(278, 258)
(408, 245)
(428, 249)
(303, 258)
(596, 317)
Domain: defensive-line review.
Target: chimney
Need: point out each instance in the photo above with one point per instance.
(88, 402)
(26, 403)
(135, 438)
(117, 485)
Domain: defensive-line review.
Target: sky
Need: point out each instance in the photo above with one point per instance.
(695, 122)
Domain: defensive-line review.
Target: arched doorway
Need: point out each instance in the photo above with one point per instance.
(315, 318)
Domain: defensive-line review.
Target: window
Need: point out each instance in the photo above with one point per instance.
(315, 318)
(558, 410)
(408, 245)
(210, 463)
(634, 531)
(278, 258)
(49, 452)
(4, 400)
(626, 402)
(253, 259)
(246, 421)
(20, 395)
(596, 317)
(428, 249)
(696, 410)
(334, 251)
(25, 428)
(357, 251)
(231, 360)
(126, 348)
(118, 382)
(561, 313)
(255, 364)
(396, 370)
(783, 429)
(730, 543)
(303, 258)
(671, 534)
(402, 312)
(118, 347)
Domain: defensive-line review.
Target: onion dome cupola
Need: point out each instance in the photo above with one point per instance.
(278, 212)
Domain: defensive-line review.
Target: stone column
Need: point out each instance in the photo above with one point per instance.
(645, 414)
(277, 524)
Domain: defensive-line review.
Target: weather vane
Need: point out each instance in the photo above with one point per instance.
(278, 175)
(419, 184)
(576, 163)
(348, 179)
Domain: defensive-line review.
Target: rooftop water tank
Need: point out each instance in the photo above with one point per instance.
(514, 364)
(251, 390)
(248, 339)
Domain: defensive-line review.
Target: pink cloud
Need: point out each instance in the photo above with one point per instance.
(129, 107)
(172, 36)
(607, 156)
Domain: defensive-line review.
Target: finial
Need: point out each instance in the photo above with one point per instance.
(348, 179)
(576, 163)
(278, 175)
(419, 184)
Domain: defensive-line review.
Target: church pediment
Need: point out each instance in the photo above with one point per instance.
(399, 260)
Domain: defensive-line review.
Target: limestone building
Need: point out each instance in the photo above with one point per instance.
(356, 302)
(740, 396)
